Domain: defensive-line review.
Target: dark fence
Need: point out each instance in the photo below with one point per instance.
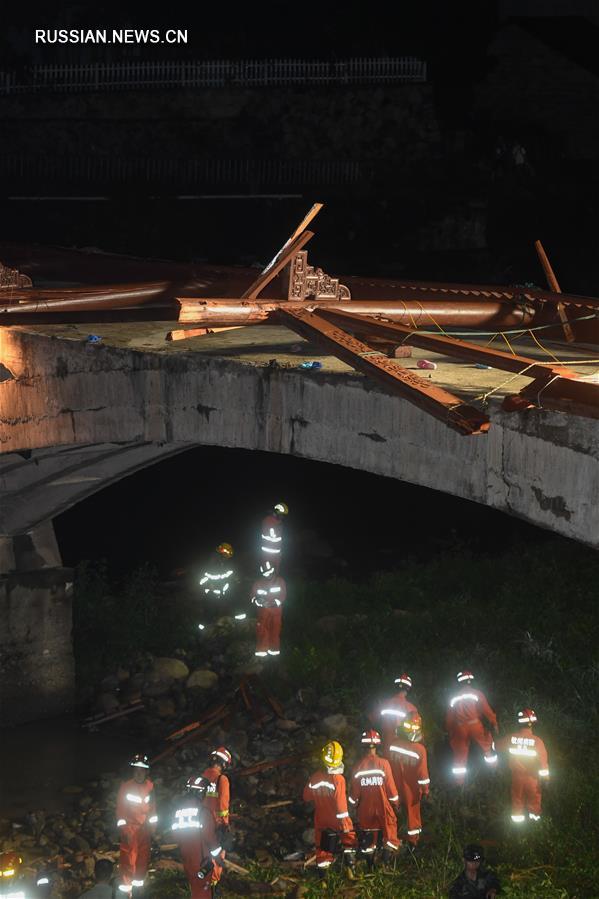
(114, 76)
(70, 174)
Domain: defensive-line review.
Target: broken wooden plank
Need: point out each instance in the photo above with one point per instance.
(182, 334)
(170, 750)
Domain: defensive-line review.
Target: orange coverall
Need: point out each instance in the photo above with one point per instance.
(527, 758)
(269, 594)
(136, 820)
(271, 541)
(193, 829)
(373, 790)
(410, 771)
(392, 712)
(328, 793)
(217, 799)
(463, 723)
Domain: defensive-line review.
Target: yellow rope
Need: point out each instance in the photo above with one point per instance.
(540, 345)
(509, 346)
(484, 396)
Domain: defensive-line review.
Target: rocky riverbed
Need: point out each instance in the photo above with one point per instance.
(269, 820)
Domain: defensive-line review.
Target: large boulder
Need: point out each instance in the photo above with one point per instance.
(165, 668)
(202, 679)
(308, 836)
(335, 724)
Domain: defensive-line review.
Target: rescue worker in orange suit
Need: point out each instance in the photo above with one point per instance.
(469, 717)
(136, 821)
(268, 595)
(271, 536)
(527, 758)
(218, 794)
(216, 582)
(372, 791)
(394, 710)
(11, 876)
(326, 789)
(409, 764)
(192, 827)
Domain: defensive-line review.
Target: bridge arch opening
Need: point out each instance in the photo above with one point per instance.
(175, 509)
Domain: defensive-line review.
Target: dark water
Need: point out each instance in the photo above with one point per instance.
(38, 760)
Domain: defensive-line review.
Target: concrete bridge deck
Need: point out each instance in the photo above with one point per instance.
(259, 344)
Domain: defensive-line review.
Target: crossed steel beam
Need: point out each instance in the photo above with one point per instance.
(326, 311)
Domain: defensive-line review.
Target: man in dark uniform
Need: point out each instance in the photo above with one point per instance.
(474, 882)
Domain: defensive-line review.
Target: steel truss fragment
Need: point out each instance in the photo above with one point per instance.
(366, 327)
(553, 386)
(423, 393)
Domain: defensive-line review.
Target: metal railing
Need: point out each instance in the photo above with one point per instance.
(184, 174)
(139, 75)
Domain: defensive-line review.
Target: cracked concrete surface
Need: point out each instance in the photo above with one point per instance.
(136, 389)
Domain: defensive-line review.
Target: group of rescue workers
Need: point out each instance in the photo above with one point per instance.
(392, 774)
(399, 777)
(379, 786)
(268, 592)
(198, 823)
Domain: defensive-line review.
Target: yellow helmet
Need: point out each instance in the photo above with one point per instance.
(411, 727)
(225, 549)
(332, 754)
(282, 509)
(10, 862)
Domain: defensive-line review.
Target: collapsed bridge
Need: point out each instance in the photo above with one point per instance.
(212, 357)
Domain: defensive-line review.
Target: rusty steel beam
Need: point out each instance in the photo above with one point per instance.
(573, 395)
(379, 288)
(290, 248)
(447, 346)
(421, 392)
(221, 312)
(75, 299)
(554, 286)
(282, 259)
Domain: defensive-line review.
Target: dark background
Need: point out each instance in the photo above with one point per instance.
(431, 202)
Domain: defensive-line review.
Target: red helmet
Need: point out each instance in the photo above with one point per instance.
(404, 680)
(464, 677)
(527, 716)
(139, 761)
(222, 757)
(372, 737)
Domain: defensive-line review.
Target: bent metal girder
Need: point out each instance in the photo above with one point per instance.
(366, 327)
(423, 393)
